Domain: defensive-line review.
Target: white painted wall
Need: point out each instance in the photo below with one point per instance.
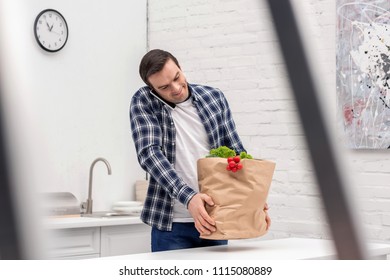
(231, 45)
(65, 109)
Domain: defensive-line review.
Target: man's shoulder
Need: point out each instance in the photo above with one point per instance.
(205, 91)
(142, 92)
(142, 96)
(199, 87)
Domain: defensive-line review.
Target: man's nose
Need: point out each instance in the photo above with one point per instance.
(176, 87)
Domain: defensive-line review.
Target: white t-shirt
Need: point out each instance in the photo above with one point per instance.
(191, 144)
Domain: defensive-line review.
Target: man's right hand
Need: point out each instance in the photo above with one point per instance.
(203, 222)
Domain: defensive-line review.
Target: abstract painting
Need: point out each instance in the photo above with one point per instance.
(363, 72)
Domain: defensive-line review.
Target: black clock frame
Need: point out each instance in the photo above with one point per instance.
(35, 30)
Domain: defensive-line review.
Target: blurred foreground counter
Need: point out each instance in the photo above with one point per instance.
(257, 249)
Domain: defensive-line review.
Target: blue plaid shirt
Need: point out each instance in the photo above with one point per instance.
(154, 136)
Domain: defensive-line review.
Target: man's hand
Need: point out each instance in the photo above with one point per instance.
(267, 217)
(203, 222)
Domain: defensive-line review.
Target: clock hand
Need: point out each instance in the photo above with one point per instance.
(51, 27)
(47, 24)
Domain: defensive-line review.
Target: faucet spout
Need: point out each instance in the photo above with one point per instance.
(89, 200)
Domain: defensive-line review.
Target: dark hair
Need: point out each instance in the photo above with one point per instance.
(153, 62)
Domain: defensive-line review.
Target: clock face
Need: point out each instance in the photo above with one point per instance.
(51, 30)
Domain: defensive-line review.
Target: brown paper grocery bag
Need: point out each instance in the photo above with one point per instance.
(239, 197)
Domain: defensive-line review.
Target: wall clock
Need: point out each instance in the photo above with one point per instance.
(51, 30)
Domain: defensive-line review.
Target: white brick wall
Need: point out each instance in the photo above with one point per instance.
(230, 44)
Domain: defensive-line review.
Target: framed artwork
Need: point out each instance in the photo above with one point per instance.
(363, 72)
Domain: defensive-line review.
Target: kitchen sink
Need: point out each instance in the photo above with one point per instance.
(109, 214)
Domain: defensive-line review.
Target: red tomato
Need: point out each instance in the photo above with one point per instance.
(237, 159)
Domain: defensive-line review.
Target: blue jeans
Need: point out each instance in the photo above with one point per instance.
(182, 236)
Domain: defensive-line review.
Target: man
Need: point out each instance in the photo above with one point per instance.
(173, 124)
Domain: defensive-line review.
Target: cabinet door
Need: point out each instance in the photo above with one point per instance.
(74, 243)
(81, 257)
(124, 240)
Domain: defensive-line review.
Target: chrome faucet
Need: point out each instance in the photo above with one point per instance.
(89, 200)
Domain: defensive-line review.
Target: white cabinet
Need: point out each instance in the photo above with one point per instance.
(94, 242)
(124, 240)
(74, 243)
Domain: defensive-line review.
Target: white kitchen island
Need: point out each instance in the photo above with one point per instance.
(252, 249)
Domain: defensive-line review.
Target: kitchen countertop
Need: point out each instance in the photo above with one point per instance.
(251, 249)
(82, 222)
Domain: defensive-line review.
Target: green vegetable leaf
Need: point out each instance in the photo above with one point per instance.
(245, 155)
(223, 152)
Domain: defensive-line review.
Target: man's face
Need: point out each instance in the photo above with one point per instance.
(170, 83)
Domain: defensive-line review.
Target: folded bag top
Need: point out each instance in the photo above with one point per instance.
(239, 197)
